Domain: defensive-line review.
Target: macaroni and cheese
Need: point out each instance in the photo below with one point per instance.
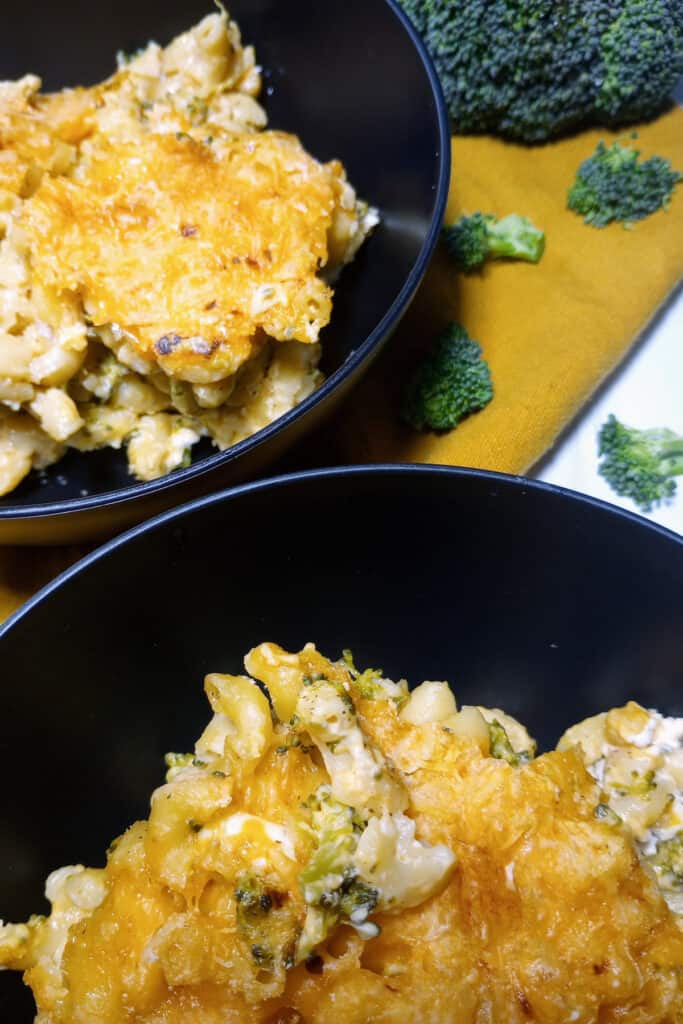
(346, 850)
(165, 261)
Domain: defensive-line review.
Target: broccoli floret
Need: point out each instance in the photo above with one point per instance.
(612, 185)
(534, 69)
(640, 464)
(635, 51)
(479, 237)
(452, 382)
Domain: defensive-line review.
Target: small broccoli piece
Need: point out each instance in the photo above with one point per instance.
(351, 902)
(329, 881)
(479, 237)
(268, 922)
(368, 684)
(668, 862)
(612, 185)
(640, 464)
(535, 69)
(501, 747)
(603, 812)
(452, 382)
(358, 899)
(336, 829)
(253, 900)
(176, 763)
(371, 684)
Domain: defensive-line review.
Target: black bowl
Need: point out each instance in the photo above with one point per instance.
(354, 81)
(524, 596)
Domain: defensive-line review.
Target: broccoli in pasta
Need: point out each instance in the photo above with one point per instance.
(338, 845)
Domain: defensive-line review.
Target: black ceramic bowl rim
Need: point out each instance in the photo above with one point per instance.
(358, 356)
(415, 470)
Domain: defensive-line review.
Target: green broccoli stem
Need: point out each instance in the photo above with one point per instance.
(668, 450)
(674, 463)
(515, 237)
(672, 450)
(480, 236)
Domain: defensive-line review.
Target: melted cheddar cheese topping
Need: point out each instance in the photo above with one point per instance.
(166, 263)
(344, 849)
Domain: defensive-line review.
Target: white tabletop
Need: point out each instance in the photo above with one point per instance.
(645, 391)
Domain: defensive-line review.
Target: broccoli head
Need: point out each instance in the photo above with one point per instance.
(452, 382)
(640, 464)
(474, 239)
(612, 185)
(635, 51)
(534, 69)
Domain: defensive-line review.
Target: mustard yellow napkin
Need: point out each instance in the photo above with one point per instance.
(551, 332)
(23, 571)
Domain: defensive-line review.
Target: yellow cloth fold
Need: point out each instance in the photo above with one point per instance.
(23, 571)
(550, 333)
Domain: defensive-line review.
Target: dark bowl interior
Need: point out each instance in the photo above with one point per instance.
(549, 605)
(351, 80)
